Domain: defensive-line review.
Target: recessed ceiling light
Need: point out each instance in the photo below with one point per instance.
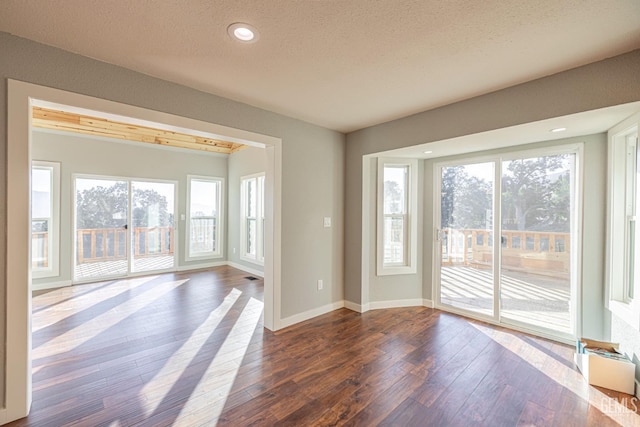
(243, 32)
(428, 152)
(558, 130)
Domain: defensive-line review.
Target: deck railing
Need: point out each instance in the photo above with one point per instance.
(39, 249)
(544, 252)
(108, 244)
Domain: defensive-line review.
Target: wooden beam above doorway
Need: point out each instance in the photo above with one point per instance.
(78, 123)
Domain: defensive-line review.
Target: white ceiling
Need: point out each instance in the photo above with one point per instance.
(343, 64)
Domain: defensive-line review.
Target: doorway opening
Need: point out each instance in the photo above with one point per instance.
(22, 97)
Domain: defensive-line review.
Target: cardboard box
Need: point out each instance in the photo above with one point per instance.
(615, 373)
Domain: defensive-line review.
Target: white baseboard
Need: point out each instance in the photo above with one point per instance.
(353, 306)
(50, 285)
(414, 302)
(428, 303)
(245, 268)
(376, 305)
(201, 266)
(3, 416)
(301, 317)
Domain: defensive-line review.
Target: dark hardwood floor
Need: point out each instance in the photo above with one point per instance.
(190, 350)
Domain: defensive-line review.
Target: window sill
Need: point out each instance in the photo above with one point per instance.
(203, 257)
(395, 271)
(44, 274)
(252, 260)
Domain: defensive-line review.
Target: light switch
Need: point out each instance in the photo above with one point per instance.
(182, 217)
(327, 222)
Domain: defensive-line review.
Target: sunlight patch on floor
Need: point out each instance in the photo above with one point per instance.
(86, 331)
(210, 395)
(155, 391)
(562, 374)
(73, 304)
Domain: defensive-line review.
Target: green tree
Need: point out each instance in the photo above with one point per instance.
(107, 207)
(536, 194)
(466, 201)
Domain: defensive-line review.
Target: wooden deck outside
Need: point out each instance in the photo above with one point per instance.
(98, 269)
(190, 350)
(537, 300)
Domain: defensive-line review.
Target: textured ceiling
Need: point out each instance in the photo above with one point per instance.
(342, 64)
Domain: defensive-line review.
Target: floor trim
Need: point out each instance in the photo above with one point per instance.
(200, 266)
(354, 307)
(413, 302)
(50, 285)
(309, 314)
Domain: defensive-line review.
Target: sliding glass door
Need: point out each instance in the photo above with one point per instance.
(528, 276)
(538, 204)
(152, 234)
(101, 219)
(466, 237)
(122, 226)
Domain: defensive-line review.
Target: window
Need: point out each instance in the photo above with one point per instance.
(397, 219)
(623, 253)
(45, 219)
(205, 221)
(252, 222)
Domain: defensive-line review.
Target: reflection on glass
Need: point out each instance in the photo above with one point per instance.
(466, 208)
(152, 241)
(536, 209)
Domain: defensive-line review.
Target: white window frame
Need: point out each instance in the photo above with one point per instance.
(409, 266)
(622, 184)
(220, 225)
(53, 268)
(258, 258)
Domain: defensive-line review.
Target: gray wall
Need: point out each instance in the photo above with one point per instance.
(244, 162)
(602, 84)
(629, 339)
(312, 160)
(98, 156)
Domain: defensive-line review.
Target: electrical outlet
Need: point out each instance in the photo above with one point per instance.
(234, 250)
(326, 222)
(320, 285)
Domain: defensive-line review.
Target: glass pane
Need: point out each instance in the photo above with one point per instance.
(101, 216)
(394, 240)
(536, 210)
(466, 208)
(251, 197)
(261, 192)
(41, 211)
(203, 198)
(152, 216)
(202, 235)
(395, 188)
(204, 214)
(252, 224)
(41, 192)
(39, 244)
